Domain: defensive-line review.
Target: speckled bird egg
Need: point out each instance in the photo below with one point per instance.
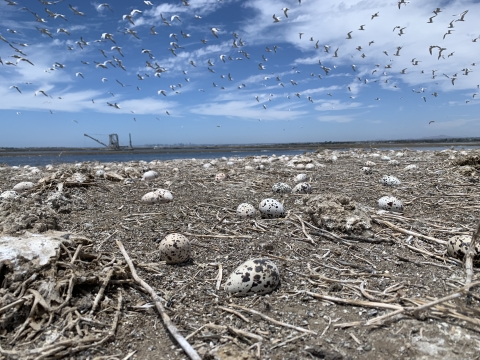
(309, 166)
(220, 176)
(174, 249)
(300, 178)
(9, 194)
(149, 175)
(255, 276)
(270, 208)
(302, 188)
(164, 196)
(246, 210)
(366, 170)
(281, 188)
(457, 247)
(389, 180)
(159, 196)
(390, 203)
(23, 186)
(369, 163)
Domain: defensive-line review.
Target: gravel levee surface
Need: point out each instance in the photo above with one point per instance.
(351, 275)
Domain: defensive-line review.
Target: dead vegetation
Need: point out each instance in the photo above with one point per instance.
(355, 282)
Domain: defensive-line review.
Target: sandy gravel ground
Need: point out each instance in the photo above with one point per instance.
(355, 282)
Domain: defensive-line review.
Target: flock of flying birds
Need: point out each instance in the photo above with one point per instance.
(113, 57)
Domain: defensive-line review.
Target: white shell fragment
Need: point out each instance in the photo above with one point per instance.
(369, 163)
(220, 176)
(385, 158)
(410, 167)
(255, 276)
(174, 249)
(389, 180)
(100, 173)
(309, 166)
(159, 196)
(366, 170)
(390, 203)
(300, 178)
(270, 208)
(9, 194)
(281, 188)
(302, 188)
(23, 186)
(149, 175)
(246, 210)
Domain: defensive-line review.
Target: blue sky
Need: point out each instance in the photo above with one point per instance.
(371, 91)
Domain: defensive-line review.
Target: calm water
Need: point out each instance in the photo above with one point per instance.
(42, 160)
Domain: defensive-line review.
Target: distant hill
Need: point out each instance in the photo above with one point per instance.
(436, 137)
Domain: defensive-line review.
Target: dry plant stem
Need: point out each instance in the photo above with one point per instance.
(457, 294)
(287, 341)
(220, 236)
(76, 254)
(239, 332)
(408, 232)
(304, 230)
(189, 350)
(235, 313)
(219, 277)
(354, 302)
(273, 320)
(16, 302)
(470, 255)
(99, 296)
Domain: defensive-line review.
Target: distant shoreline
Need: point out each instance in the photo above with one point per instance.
(232, 148)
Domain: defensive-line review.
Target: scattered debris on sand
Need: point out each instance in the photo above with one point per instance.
(239, 266)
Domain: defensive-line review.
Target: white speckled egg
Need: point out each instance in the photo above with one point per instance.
(369, 163)
(309, 166)
(389, 180)
(270, 208)
(246, 210)
(174, 249)
(149, 175)
(255, 276)
(302, 188)
(159, 196)
(9, 194)
(457, 247)
(165, 196)
(23, 186)
(220, 177)
(366, 170)
(410, 167)
(300, 178)
(281, 188)
(390, 203)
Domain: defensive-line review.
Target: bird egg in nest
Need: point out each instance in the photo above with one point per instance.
(389, 180)
(174, 249)
(302, 188)
(255, 276)
(271, 208)
(390, 203)
(246, 210)
(281, 188)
